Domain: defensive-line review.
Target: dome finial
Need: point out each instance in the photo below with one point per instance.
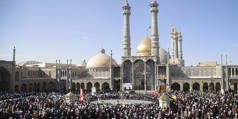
(126, 3)
(153, 1)
(103, 51)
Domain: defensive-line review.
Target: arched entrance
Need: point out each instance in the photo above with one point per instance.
(97, 86)
(44, 87)
(186, 87)
(51, 87)
(24, 87)
(211, 86)
(73, 87)
(117, 84)
(89, 86)
(150, 75)
(34, 87)
(235, 86)
(4, 79)
(17, 76)
(175, 86)
(127, 71)
(196, 86)
(38, 87)
(139, 82)
(30, 87)
(82, 86)
(218, 86)
(16, 88)
(105, 86)
(205, 87)
(63, 86)
(78, 86)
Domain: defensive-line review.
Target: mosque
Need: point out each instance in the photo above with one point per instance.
(152, 69)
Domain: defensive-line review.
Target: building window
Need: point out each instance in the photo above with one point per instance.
(17, 76)
(49, 73)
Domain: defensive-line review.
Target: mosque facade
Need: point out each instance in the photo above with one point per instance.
(152, 69)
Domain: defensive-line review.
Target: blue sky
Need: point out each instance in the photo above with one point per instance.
(46, 30)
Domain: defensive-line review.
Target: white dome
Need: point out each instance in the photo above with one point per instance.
(163, 54)
(25, 63)
(100, 60)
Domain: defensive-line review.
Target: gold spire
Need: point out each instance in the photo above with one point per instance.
(174, 29)
(174, 32)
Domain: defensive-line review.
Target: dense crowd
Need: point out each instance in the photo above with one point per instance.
(5, 95)
(53, 106)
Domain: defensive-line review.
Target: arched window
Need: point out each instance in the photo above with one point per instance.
(196, 86)
(17, 76)
(150, 75)
(205, 86)
(89, 86)
(105, 86)
(4, 79)
(186, 87)
(175, 86)
(139, 82)
(49, 73)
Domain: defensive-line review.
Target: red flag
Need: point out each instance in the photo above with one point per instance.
(155, 93)
(81, 98)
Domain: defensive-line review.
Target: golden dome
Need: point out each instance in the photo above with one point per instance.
(144, 47)
(100, 60)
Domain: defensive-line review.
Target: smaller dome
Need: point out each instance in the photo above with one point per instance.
(164, 97)
(144, 47)
(25, 63)
(83, 63)
(70, 94)
(101, 60)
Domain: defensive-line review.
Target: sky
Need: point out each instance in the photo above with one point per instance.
(46, 30)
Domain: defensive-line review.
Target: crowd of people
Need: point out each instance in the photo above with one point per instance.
(6, 95)
(54, 106)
